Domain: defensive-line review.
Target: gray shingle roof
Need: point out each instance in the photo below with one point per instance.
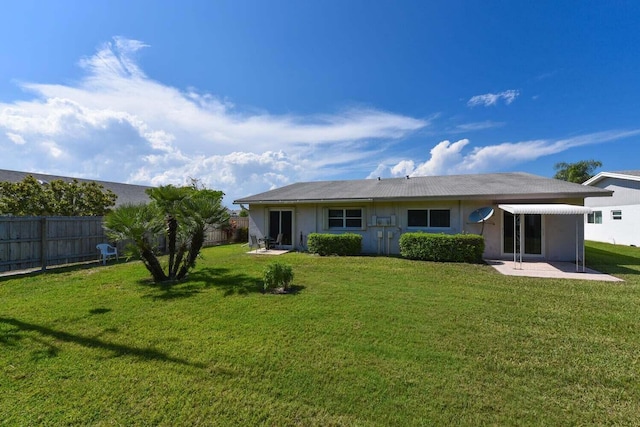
(127, 193)
(499, 186)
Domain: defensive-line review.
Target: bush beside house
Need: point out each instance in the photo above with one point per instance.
(442, 247)
(348, 244)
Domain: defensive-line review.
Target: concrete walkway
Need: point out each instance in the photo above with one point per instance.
(557, 270)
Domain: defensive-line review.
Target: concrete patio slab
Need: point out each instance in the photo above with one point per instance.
(557, 270)
(268, 252)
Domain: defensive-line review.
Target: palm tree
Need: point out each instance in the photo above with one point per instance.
(183, 213)
(577, 172)
(199, 211)
(138, 224)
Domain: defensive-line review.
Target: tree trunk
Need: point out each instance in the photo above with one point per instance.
(153, 265)
(172, 232)
(197, 240)
(179, 257)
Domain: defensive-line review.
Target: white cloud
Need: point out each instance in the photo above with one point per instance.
(117, 124)
(403, 168)
(488, 99)
(52, 149)
(475, 126)
(378, 171)
(447, 158)
(15, 138)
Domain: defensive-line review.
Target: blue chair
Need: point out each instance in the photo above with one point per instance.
(106, 251)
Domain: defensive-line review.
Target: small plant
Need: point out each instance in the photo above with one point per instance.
(277, 277)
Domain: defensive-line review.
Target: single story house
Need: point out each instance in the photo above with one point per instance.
(127, 193)
(546, 215)
(615, 219)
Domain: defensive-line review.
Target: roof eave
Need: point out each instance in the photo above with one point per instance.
(500, 197)
(299, 201)
(602, 175)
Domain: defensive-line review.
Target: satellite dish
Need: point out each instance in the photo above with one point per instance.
(481, 215)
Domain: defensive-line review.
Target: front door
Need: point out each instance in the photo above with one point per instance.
(531, 234)
(281, 221)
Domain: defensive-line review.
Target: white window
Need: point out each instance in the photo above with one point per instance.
(429, 218)
(594, 217)
(345, 218)
(616, 214)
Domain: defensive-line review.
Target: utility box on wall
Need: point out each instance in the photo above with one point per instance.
(383, 221)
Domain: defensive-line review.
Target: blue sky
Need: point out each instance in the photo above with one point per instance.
(251, 95)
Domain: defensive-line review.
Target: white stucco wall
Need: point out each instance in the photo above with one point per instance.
(560, 237)
(625, 231)
(626, 198)
(625, 192)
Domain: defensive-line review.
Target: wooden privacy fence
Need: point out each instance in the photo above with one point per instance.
(215, 235)
(32, 242)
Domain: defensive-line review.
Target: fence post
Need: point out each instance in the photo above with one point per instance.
(43, 242)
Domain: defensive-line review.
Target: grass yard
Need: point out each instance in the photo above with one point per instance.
(363, 341)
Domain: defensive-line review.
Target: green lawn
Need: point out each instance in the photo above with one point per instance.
(362, 341)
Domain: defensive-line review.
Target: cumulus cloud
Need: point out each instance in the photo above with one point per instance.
(445, 156)
(15, 138)
(117, 124)
(488, 99)
(405, 167)
(448, 158)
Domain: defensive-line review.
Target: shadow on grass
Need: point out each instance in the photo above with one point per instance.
(293, 290)
(612, 262)
(230, 282)
(56, 269)
(10, 337)
(100, 310)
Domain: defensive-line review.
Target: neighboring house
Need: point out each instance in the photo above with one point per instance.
(615, 219)
(547, 215)
(127, 193)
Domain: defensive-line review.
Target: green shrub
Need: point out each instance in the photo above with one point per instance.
(240, 235)
(277, 276)
(442, 247)
(335, 244)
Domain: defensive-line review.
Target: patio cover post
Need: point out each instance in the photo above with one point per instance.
(584, 256)
(520, 238)
(577, 246)
(515, 255)
(546, 209)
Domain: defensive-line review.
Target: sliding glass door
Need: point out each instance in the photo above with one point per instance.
(531, 234)
(281, 222)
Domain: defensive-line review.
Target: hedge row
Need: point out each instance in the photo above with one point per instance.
(334, 244)
(442, 247)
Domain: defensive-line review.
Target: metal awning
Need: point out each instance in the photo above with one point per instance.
(546, 209)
